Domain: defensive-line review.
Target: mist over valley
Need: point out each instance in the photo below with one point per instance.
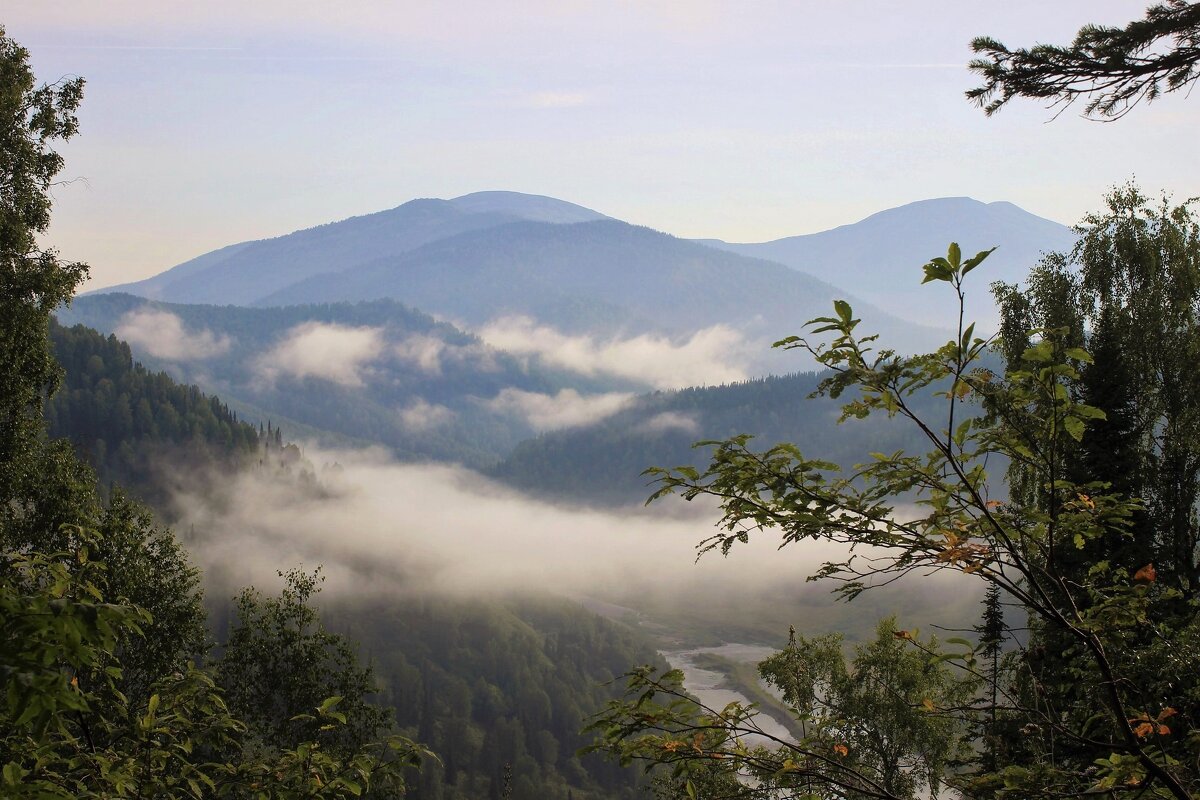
(566, 352)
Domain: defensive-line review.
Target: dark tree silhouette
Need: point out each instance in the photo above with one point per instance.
(1113, 68)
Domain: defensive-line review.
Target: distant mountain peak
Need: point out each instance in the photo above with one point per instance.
(880, 256)
(535, 207)
(948, 211)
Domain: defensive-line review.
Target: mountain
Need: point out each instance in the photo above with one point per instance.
(532, 207)
(242, 274)
(491, 254)
(880, 257)
(602, 276)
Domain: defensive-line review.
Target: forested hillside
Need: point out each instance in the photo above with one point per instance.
(603, 463)
(137, 427)
(501, 686)
(375, 372)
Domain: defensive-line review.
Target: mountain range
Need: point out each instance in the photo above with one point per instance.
(487, 255)
(336, 328)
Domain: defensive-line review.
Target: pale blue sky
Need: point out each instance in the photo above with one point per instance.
(223, 121)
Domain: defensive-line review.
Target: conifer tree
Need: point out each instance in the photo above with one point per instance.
(1114, 68)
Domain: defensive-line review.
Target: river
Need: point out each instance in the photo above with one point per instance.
(711, 687)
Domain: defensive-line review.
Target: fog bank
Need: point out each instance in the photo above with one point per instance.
(379, 527)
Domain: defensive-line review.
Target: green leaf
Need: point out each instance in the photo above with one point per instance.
(1040, 353)
(967, 334)
(328, 703)
(976, 260)
(843, 310)
(1079, 354)
(13, 774)
(935, 271)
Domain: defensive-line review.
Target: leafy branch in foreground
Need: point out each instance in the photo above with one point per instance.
(1127, 628)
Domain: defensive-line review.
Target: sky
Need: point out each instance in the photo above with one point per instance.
(206, 124)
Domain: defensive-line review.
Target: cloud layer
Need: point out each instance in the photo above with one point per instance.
(710, 356)
(162, 335)
(442, 528)
(567, 409)
(670, 421)
(331, 352)
(379, 527)
(421, 415)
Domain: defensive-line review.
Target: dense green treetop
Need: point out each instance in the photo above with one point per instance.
(33, 281)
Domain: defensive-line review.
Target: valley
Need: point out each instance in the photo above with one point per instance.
(495, 452)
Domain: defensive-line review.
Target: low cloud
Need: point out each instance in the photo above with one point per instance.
(434, 527)
(382, 527)
(421, 415)
(161, 334)
(567, 409)
(331, 352)
(431, 355)
(710, 356)
(670, 421)
(423, 352)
